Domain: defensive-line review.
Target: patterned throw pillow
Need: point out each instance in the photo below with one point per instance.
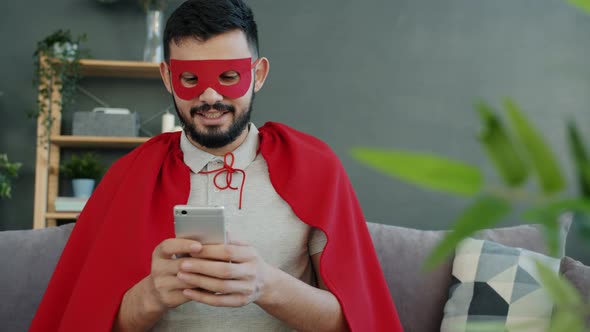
(499, 284)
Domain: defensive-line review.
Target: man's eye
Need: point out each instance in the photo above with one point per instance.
(229, 77)
(189, 80)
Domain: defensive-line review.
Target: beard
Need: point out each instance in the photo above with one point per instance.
(214, 137)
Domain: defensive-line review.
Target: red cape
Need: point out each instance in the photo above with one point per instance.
(130, 213)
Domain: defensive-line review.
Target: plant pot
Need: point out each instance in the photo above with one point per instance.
(83, 187)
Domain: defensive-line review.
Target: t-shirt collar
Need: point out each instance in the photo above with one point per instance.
(196, 159)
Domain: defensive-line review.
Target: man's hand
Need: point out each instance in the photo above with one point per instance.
(145, 303)
(166, 287)
(231, 275)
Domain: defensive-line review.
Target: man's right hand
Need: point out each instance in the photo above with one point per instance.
(145, 303)
(165, 286)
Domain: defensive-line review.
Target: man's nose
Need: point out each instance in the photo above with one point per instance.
(210, 96)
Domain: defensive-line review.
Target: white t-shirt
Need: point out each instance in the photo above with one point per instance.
(265, 221)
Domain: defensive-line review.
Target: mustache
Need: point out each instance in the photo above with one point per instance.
(217, 106)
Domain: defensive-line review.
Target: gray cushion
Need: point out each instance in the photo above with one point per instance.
(499, 284)
(420, 296)
(28, 260)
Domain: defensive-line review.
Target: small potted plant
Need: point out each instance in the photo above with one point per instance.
(84, 170)
(8, 172)
(57, 65)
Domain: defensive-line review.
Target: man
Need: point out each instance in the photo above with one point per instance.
(293, 225)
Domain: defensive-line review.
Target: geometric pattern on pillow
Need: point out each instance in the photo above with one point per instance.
(500, 284)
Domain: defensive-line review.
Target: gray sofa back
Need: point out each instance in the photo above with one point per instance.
(28, 260)
(30, 257)
(420, 295)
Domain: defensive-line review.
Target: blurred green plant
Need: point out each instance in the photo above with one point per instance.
(583, 5)
(515, 155)
(8, 172)
(85, 166)
(517, 152)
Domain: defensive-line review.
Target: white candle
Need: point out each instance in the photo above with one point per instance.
(167, 122)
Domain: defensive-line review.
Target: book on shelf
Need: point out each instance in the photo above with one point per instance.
(69, 204)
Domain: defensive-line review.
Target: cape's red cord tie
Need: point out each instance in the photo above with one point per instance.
(229, 170)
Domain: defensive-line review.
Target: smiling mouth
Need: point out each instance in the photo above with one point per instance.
(212, 115)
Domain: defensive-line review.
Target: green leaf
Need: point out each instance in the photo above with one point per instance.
(484, 212)
(562, 293)
(551, 226)
(425, 170)
(539, 154)
(548, 215)
(552, 236)
(581, 4)
(564, 320)
(8, 171)
(482, 327)
(500, 148)
(556, 208)
(580, 156)
(5, 190)
(576, 144)
(584, 176)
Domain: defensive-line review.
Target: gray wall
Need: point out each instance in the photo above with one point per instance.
(397, 74)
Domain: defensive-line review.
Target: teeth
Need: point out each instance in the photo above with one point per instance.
(212, 115)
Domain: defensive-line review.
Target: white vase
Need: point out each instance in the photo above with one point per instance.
(83, 187)
(153, 51)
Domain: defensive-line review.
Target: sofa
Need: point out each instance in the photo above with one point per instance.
(29, 257)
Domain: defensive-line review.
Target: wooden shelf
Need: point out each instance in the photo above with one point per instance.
(62, 215)
(48, 151)
(114, 68)
(69, 141)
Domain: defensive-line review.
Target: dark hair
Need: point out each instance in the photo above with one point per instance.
(204, 19)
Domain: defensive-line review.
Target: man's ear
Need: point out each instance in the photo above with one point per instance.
(165, 73)
(261, 71)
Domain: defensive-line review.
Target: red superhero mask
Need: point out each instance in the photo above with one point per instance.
(230, 78)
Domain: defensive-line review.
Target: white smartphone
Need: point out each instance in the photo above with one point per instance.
(203, 224)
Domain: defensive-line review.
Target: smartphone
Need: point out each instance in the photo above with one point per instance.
(204, 224)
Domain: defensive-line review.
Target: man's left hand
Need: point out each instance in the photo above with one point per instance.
(230, 275)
